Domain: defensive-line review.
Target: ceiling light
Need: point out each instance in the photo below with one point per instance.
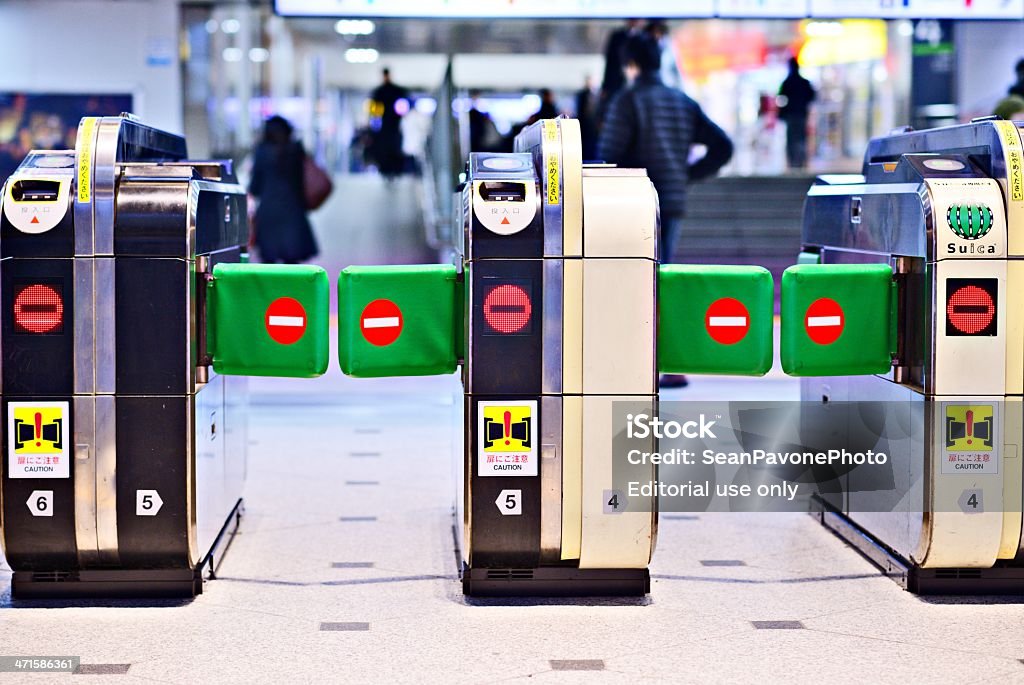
(361, 55)
(355, 27)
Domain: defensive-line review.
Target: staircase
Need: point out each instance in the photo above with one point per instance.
(744, 220)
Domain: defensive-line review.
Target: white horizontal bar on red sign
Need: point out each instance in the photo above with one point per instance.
(727, 321)
(286, 321)
(381, 322)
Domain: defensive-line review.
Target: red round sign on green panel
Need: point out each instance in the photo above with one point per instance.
(285, 320)
(381, 322)
(727, 321)
(824, 321)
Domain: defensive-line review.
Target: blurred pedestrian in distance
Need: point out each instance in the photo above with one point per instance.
(586, 114)
(283, 233)
(795, 97)
(614, 68)
(483, 134)
(1011, 108)
(659, 30)
(548, 110)
(548, 107)
(388, 104)
(1018, 87)
(652, 126)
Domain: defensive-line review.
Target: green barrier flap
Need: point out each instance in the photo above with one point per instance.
(715, 319)
(837, 319)
(399, 320)
(269, 320)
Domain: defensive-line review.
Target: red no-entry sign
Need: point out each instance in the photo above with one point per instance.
(970, 309)
(824, 321)
(381, 322)
(285, 320)
(727, 321)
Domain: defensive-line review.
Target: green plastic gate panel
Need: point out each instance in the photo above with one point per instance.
(837, 319)
(269, 320)
(715, 319)
(400, 320)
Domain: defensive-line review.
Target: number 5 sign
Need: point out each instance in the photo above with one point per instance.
(510, 502)
(147, 502)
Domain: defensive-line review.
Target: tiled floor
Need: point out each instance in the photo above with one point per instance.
(345, 572)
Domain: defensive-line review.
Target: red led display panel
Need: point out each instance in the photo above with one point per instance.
(507, 308)
(38, 308)
(971, 306)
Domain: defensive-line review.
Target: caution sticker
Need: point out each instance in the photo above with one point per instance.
(507, 438)
(969, 431)
(552, 173)
(37, 445)
(1014, 159)
(86, 136)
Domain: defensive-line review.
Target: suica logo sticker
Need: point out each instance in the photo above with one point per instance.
(969, 221)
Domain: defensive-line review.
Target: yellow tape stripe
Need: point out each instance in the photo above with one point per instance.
(551, 170)
(1014, 160)
(86, 137)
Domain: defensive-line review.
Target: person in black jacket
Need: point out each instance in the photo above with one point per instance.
(653, 126)
(283, 233)
(1018, 87)
(389, 103)
(795, 97)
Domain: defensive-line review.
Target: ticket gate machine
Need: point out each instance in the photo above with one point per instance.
(551, 310)
(944, 210)
(124, 454)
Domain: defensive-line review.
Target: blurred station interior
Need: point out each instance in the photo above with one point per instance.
(344, 566)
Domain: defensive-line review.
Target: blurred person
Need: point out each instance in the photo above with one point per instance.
(659, 30)
(586, 114)
(1011, 108)
(1018, 87)
(548, 110)
(548, 107)
(390, 103)
(795, 97)
(483, 134)
(416, 126)
(283, 233)
(652, 126)
(614, 68)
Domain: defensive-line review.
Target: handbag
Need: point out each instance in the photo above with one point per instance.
(316, 184)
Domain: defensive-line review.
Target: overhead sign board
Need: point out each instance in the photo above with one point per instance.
(918, 9)
(454, 9)
(597, 9)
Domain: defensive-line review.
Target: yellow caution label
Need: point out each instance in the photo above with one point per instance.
(507, 441)
(1014, 159)
(552, 172)
(86, 139)
(969, 427)
(506, 428)
(37, 440)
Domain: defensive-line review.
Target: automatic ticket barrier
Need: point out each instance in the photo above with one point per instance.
(937, 217)
(556, 310)
(551, 311)
(123, 453)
